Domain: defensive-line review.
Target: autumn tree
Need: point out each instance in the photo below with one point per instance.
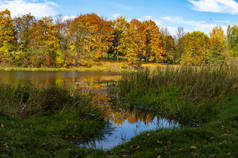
(168, 45)
(133, 41)
(7, 36)
(179, 44)
(217, 45)
(26, 41)
(62, 26)
(90, 36)
(44, 39)
(23, 28)
(120, 33)
(152, 43)
(196, 48)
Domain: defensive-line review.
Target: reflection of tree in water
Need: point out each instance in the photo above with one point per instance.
(120, 113)
(88, 84)
(116, 112)
(59, 79)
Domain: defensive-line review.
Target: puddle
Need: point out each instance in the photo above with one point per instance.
(126, 123)
(127, 130)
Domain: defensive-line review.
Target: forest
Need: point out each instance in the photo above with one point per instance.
(26, 41)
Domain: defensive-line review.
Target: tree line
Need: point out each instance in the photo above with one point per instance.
(54, 42)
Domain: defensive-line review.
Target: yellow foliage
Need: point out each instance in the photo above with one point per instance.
(44, 36)
(120, 34)
(196, 48)
(217, 37)
(152, 43)
(90, 35)
(7, 33)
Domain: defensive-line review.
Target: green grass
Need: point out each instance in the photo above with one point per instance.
(43, 122)
(190, 95)
(171, 104)
(204, 100)
(216, 138)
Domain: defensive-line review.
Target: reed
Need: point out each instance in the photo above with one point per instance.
(195, 82)
(189, 95)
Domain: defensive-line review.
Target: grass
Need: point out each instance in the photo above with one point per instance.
(216, 138)
(99, 66)
(189, 94)
(203, 99)
(44, 122)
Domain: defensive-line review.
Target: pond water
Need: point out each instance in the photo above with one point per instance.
(117, 134)
(124, 122)
(43, 79)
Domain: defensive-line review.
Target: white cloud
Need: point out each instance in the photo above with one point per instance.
(20, 7)
(193, 25)
(172, 30)
(68, 18)
(159, 22)
(215, 6)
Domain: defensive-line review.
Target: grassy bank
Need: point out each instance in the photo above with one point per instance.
(186, 93)
(44, 122)
(204, 100)
(217, 138)
(100, 66)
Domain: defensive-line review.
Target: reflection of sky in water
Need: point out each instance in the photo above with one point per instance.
(126, 131)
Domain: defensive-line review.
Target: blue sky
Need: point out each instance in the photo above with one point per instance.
(193, 15)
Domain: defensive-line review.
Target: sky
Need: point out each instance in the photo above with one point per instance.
(192, 15)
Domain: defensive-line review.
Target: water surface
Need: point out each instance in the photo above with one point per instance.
(124, 122)
(118, 134)
(56, 78)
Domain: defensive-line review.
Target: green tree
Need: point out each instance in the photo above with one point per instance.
(168, 45)
(179, 44)
(232, 39)
(217, 45)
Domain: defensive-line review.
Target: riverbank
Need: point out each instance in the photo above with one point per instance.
(100, 66)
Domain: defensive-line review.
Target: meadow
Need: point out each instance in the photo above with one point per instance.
(40, 122)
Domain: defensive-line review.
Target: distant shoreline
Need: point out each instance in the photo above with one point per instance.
(101, 66)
